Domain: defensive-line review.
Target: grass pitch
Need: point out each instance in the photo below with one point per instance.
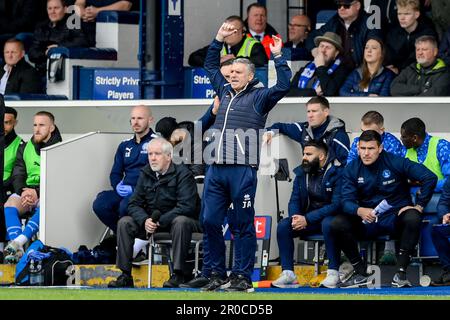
(140, 294)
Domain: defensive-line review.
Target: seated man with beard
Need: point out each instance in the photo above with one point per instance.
(314, 201)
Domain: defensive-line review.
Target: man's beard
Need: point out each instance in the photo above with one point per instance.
(311, 167)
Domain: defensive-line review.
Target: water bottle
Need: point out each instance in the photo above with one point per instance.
(36, 273)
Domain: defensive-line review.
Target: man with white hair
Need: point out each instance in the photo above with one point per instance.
(429, 76)
(165, 200)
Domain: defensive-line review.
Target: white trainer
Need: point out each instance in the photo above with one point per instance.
(287, 279)
(332, 279)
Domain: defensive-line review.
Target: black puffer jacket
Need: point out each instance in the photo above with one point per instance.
(174, 194)
(46, 34)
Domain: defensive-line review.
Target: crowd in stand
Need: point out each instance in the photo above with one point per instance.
(352, 55)
(337, 187)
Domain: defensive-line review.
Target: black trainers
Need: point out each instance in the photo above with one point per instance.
(240, 283)
(196, 283)
(400, 281)
(444, 280)
(356, 280)
(215, 283)
(123, 281)
(175, 280)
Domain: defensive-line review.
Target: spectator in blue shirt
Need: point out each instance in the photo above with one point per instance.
(373, 120)
(371, 78)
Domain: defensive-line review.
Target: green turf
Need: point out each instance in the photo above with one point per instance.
(92, 294)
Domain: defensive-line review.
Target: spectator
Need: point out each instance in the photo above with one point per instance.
(13, 145)
(17, 75)
(130, 158)
(373, 120)
(235, 45)
(231, 177)
(440, 235)
(374, 177)
(421, 147)
(257, 26)
(325, 74)
(371, 78)
(444, 49)
(17, 18)
(428, 77)
(314, 201)
(388, 13)
(351, 24)
(54, 33)
(89, 9)
(299, 28)
(25, 180)
(320, 126)
(164, 190)
(401, 39)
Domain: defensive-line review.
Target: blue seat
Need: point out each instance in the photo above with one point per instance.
(323, 16)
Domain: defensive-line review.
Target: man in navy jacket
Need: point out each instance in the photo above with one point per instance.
(441, 235)
(314, 201)
(374, 177)
(231, 177)
(130, 158)
(320, 126)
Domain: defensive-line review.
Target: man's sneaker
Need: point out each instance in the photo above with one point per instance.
(345, 271)
(444, 280)
(123, 281)
(196, 283)
(356, 281)
(287, 279)
(13, 251)
(388, 258)
(240, 284)
(400, 281)
(215, 283)
(332, 280)
(175, 280)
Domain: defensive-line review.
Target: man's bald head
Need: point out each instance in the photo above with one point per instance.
(141, 119)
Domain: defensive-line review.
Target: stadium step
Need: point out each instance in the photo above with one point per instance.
(101, 275)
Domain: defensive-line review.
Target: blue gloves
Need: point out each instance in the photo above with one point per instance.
(123, 190)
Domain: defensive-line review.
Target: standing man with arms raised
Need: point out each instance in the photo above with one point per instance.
(231, 178)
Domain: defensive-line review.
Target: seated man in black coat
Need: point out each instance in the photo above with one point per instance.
(325, 74)
(17, 75)
(56, 31)
(165, 199)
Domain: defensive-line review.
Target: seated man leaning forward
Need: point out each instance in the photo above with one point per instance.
(314, 201)
(165, 200)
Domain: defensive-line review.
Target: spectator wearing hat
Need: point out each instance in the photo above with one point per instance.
(325, 74)
(371, 79)
(351, 23)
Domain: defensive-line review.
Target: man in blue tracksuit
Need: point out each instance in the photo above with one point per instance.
(231, 178)
(314, 201)
(441, 235)
(130, 158)
(320, 126)
(373, 120)
(376, 176)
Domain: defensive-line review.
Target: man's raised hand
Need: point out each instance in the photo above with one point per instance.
(226, 29)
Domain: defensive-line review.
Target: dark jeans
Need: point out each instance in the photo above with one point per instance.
(440, 236)
(110, 207)
(346, 230)
(181, 231)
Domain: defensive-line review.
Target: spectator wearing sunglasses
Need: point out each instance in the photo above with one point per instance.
(353, 26)
(299, 28)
